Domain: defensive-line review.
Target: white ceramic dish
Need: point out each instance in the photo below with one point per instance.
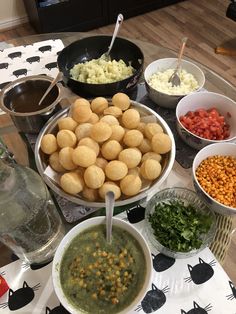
(223, 149)
(162, 99)
(77, 230)
(206, 100)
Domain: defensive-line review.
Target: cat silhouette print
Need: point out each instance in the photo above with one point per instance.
(197, 309)
(135, 214)
(153, 300)
(162, 262)
(57, 310)
(233, 294)
(20, 297)
(201, 272)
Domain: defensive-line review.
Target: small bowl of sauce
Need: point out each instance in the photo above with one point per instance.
(20, 99)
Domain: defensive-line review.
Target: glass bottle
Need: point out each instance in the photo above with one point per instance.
(29, 222)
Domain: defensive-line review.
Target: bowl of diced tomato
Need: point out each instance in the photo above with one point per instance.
(205, 118)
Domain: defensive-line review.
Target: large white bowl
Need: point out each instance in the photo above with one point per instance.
(80, 228)
(206, 100)
(166, 100)
(222, 149)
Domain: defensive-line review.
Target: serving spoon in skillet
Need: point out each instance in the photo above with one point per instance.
(106, 56)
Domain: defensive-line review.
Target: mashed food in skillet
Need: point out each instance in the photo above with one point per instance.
(102, 278)
(100, 71)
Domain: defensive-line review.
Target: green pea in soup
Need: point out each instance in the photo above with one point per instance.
(98, 277)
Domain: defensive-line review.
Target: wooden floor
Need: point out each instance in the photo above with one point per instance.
(203, 22)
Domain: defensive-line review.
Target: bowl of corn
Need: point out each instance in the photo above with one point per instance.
(214, 177)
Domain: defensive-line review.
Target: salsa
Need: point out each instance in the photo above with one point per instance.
(98, 277)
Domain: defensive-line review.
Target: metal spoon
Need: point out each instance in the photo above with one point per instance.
(174, 78)
(106, 55)
(53, 83)
(110, 200)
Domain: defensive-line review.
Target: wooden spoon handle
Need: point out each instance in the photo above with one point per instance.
(184, 40)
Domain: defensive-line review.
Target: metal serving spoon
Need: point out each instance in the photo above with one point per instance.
(54, 82)
(106, 55)
(174, 78)
(110, 200)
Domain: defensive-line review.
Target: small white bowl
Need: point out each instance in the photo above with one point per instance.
(166, 100)
(66, 241)
(222, 149)
(205, 100)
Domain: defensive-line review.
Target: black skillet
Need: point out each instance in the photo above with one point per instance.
(92, 48)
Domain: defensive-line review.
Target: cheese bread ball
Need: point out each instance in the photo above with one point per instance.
(49, 144)
(121, 101)
(133, 138)
(67, 123)
(94, 177)
(134, 171)
(109, 119)
(100, 132)
(116, 170)
(71, 182)
(151, 129)
(141, 127)
(145, 146)
(81, 113)
(99, 104)
(150, 169)
(90, 194)
(130, 185)
(94, 118)
(55, 163)
(84, 156)
(151, 155)
(131, 157)
(66, 138)
(111, 149)
(117, 132)
(114, 111)
(161, 143)
(83, 130)
(107, 187)
(81, 101)
(101, 162)
(131, 119)
(87, 141)
(65, 158)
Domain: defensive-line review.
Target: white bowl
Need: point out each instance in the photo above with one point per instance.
(162, 99)
(66, 241)
(222, 149)
(206, 100)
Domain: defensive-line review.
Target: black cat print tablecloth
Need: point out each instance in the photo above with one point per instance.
(197, 285)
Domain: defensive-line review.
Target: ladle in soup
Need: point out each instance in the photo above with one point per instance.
(110, 200)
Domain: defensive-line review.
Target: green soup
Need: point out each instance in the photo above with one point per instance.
(98, 277)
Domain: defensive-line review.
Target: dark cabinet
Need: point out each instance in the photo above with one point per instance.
(83, 15)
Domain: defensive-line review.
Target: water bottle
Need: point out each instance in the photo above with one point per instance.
(29, 222)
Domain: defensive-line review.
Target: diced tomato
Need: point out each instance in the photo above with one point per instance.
(209, 124)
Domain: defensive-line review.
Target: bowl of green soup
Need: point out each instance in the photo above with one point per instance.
(93, 276)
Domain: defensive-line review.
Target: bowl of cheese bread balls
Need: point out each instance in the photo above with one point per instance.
(102, 145)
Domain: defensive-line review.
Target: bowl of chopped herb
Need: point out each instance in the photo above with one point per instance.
(178, 223)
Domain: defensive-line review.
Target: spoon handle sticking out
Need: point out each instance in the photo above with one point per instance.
(184, 40)
(110, 200)
(119, 21)
(53, 83)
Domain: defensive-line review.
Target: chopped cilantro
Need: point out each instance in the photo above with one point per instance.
(179, 227)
